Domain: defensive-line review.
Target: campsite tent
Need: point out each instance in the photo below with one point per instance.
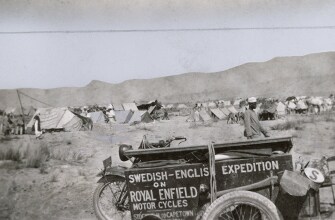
(301, 105)
(57, 118)
(226, 103)
(135, 118)
(232, 109)
(291, 105)
(216, 113)
(225, 111)
(140, 116)
(281, 108)
(118, 107)
(204, 115)
(204, 105)
(130, 106)
(145, 117)
(181, 106)
(97, 117)
(169, 106)
(212, 105)
(152, 109)
(122, 117)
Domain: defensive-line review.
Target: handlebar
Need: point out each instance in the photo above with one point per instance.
(183, 139)
(180, 138)
(162, 143)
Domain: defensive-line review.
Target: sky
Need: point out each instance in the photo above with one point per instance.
(62, 43)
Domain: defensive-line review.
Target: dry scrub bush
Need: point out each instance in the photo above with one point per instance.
(60, 154)
(193, 125)
(329, 117)
(297, 124)
(77, 156)
(37, 155)
(9, 152)
(66, 154)
(208, 124)
(288, 125)
(32, 155)
(144, 128)
(81, 173)
(54, 178)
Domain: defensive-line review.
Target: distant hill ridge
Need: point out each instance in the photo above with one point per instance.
(312, 74)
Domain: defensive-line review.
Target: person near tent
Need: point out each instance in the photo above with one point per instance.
(19, 125)
(84, 112)
(11, 123)
(111, 114)
(253, 128)
(37, 126)
(6, 125)
(165, 115)
(2, 118)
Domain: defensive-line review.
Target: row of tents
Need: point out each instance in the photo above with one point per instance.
(206, 114)
(211, 113)
(64, 119)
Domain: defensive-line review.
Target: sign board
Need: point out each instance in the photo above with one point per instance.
(172, 192)
(241, 172)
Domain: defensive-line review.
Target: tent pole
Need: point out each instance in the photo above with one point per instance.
(24, 123)
(20, 105)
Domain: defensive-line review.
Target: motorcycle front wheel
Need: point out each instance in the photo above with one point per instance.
(241, 205)
(107, 197)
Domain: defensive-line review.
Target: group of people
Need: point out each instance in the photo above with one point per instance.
(14, 125)
(11, 124)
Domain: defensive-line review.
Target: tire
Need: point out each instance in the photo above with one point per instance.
(105, 197)
(240, 205)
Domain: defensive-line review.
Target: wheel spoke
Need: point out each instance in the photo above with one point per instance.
(107, 201)
(240, 212)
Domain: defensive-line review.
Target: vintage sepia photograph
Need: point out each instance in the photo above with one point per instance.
(167, 110)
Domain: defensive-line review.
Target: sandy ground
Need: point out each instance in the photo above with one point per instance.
(63, 189)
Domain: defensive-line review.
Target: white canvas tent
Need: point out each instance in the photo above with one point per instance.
(97, 117)
(181, 106)
(226, 103)
(301, 105)
(204, 105)
(135, 118)
(232, 109)
(57, 118)
(281, 109)
(217, 113)
(225, 111)
(204, 115)
(169, 106)
(122, 117)
(145, 117)
(118, 107)
(291, 105)
(212, 105)
(130, 106)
